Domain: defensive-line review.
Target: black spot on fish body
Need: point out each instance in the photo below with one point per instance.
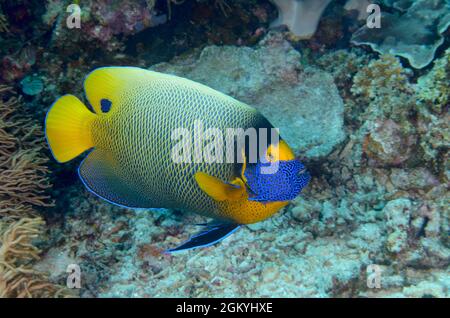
(105, 105)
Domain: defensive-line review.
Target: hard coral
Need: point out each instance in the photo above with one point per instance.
(383, 89)
(414, 35)
(14, 66)
(381, 77)
(433, 89)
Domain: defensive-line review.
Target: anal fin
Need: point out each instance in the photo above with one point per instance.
(100, 176)
(212, 234)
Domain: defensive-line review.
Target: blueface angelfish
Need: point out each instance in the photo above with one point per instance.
(129, 130)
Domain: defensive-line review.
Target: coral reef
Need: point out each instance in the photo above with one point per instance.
(433, 89)
(428, 18)
(388, 145)
(303, 103)
(17, 277)
(102, 21)
(15, 66)
(23, 173)
(372, 131)
(382, 100)
(373, 199)
(23, 183)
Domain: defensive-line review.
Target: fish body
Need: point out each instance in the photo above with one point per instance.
(130, 132)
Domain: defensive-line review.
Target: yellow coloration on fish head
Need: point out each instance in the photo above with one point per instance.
(281, 151)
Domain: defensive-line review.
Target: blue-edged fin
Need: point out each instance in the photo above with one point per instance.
(212, 234)
(98, 173)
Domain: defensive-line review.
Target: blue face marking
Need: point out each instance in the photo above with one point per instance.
(284, 185)
(105, 105)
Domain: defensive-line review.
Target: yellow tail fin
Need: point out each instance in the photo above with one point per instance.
(68, 128)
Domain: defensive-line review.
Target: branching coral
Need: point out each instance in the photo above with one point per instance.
(23, 172)
(434, 98)
(381, 77)
(17, 278)
(23, 181)
(384, 85)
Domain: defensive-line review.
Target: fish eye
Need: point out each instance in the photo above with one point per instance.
(105, 105)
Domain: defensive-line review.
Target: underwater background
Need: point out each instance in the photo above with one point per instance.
(366, 108)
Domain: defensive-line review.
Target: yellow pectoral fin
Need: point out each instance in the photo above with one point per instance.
(217, 189)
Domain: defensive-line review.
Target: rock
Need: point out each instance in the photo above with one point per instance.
(303, 103)
(387, 144)
(437, 288)
(398, 214)
(416, 178)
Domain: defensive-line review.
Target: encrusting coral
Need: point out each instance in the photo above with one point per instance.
(433, 88)
(23, 181)
(382, 89)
